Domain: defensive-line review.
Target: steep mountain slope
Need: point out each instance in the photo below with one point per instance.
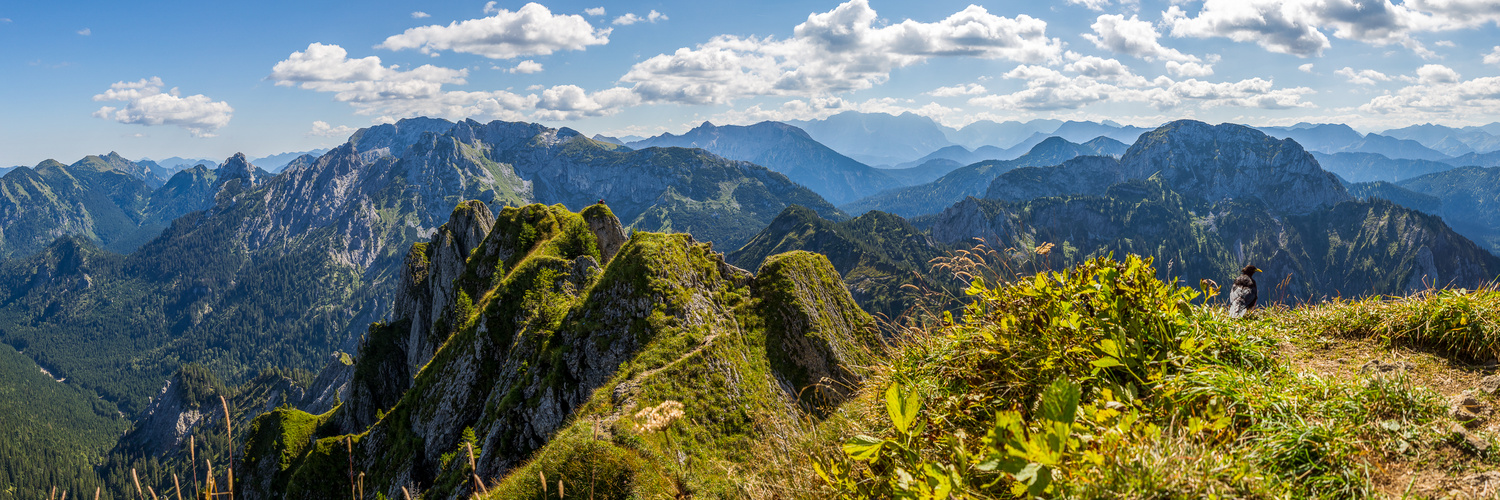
(52, 432)
(112, 201)
(552, 364)
(877, 138)
(788, 150)
(1233, 162)
(967, 181)
(90, 198)
(1424, 203)
(877, 253)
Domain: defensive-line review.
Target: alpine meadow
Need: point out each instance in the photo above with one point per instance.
(859, 249)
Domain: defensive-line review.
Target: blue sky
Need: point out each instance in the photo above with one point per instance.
(207, 79)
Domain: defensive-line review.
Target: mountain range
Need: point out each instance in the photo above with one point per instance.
(538, 296)
(107, 199)
(282, 269)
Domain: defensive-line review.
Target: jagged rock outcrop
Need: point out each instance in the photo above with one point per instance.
(428, 286)
(167, 422)
(330, 387)
(607, 229)
(379, 380)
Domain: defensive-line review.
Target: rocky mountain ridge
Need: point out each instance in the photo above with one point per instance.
(545, 341)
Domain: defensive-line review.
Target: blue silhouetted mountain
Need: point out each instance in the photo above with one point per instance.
(967, 181)
(877, 138)
(278, 162)
(786, 149)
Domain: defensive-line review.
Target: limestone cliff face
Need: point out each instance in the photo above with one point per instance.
(166, 422)
(555, 335)
(428, 289)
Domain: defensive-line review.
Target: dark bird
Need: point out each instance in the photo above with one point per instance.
(1242, 296)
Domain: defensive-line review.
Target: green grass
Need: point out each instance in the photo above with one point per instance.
(1178, 401)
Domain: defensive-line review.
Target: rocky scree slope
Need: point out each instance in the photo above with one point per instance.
(559, 346)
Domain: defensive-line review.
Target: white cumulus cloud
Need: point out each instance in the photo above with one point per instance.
(1048, 89)
(530, 30)
(147, 104)
(570, 102)
(1362, 77)
(321, 128)
(1301, 27)
(630, 18)
(1134, 37)
(526, 67)
(840, 50)
(1091, 4)
(1433, 74)
(958, 90)
(420, 15)
(594, 11)
(1440, 95)
(1305, 68)
(1189, 69)
(373, 88)
(1493, 57)
(85, 32)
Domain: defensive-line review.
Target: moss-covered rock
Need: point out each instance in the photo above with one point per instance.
(815, 334)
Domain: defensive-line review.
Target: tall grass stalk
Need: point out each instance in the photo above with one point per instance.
(349, 443)
(229, 436)
(193, 459)
(479, 485)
